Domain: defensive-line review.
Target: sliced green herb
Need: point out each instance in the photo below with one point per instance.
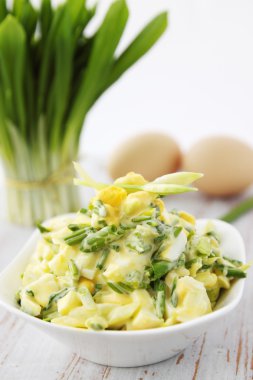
(42, 228)
(116, 247)
(96, 326)
(181, 261)
(98, 287)
(17, 297)
(189, 263)
(99, 208)
(126, 227)
(56, 296)
(29, 293)
(120, 287)
(47, 317)
(161, 268)
(102, 260)
(98, 240)
(87, 298)
(78, 236)
(77, 227)
(74, 271)
(160, 298)
(102, 223)
(177, 230)
(233, 261)
(174, 296)
(139, 246)
(230, 271)
(139, 219)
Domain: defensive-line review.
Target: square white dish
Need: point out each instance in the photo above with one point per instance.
(128, 348)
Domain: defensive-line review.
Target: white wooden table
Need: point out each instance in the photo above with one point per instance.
(225, 352)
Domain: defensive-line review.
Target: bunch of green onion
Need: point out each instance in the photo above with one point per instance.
(51, 74)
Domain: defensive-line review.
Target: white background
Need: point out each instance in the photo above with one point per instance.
(198, 80)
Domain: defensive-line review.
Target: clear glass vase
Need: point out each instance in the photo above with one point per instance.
(28, 207)
(38, 187)
(30, 201)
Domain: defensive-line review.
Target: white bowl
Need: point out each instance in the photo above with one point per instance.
(128, 348)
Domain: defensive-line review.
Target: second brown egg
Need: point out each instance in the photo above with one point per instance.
(226, 162)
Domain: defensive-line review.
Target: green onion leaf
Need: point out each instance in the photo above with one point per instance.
(139, 47)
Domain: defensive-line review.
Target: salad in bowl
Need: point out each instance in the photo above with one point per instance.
(125, 262)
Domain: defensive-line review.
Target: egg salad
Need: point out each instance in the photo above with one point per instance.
(125, 262)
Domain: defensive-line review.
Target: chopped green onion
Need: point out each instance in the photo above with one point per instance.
(174, 297)
(47, 317)
(83, 210)
(181, 261)
(231, 272)
(160, 298)
(161, 268)
(98, 287)
(77, 227)
(101, 262)
(139, 246)
(177, 231)
(30, 292)
(99, 208)
(74, 270)
(78, 236)
(96, 326)
(87, 298)
(120, 287)
(96, 241)
(189, 263)
(116, 247)
(56, 296)
(42, 228)
(139, 219)
(233, 261)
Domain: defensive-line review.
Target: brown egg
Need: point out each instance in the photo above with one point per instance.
(226, 162)
(149, 154)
